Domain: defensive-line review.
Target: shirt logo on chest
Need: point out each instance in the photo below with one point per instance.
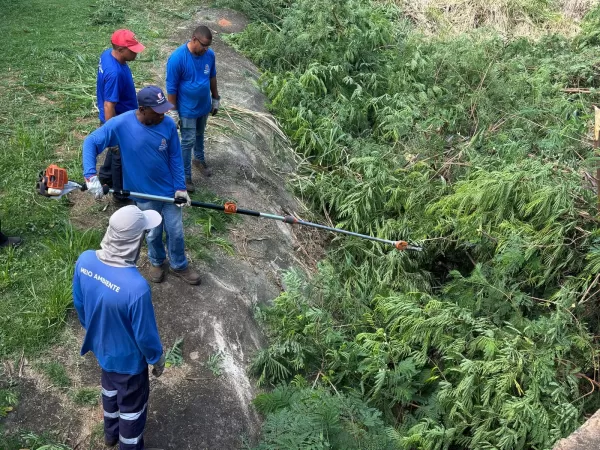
(206, 69)
(163, 145)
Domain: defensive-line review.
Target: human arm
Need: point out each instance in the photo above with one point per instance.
(216, 99)
(145, 330)
(95, 144)
(173, 114)
(175, 161)
(214, 91)
(172, 98)
(110, 110)
(173, 79)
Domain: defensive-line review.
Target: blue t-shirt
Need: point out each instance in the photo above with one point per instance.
(151, 155)
(114, 305)
(114, 84)
(188, 76)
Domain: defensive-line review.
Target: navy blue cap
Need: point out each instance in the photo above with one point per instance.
(154, 97)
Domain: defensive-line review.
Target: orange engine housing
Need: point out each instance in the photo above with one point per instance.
(56, 177)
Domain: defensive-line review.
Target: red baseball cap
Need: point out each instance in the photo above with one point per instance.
(126, 38)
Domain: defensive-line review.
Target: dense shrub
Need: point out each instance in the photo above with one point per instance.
(470, 147)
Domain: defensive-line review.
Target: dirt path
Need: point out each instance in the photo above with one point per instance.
(190, 407)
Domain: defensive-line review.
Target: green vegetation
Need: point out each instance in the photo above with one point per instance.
(86, 397)
(8, 400)
(48, 94)
(174, 356)
(215, 363)
(468, 146)
(57, 374)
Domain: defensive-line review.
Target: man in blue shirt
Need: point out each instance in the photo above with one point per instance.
(115, 93)
(114, 306)
(152, 164)
(192, 87)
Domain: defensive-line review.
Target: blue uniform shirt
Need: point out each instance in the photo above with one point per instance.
(114, 84)
(152, 162)
(114, 306)
(188, 76)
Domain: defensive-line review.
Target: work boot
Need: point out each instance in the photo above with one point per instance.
(157, 273)
(11, 241)
(111, 442)
(187, 275)
(203, 167)
(189, 185)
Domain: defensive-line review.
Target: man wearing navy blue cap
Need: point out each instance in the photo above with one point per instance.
(152, 164)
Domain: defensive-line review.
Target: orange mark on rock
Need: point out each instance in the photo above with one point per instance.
(224, 23)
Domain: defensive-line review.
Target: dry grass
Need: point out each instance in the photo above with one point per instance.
(510, 18)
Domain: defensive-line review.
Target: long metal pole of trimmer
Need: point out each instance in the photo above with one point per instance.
(231, 208)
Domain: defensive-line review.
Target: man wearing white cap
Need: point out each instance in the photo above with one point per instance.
(114, 305)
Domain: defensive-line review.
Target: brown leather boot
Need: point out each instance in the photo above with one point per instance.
(189, 185)
(187, 275)
(157, 273)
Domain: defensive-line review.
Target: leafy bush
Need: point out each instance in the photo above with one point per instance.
(470, 147)
(301, 418)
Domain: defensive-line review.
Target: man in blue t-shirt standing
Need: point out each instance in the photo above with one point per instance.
(114, 306)
(192, 88)
(115, 92)
(152, 164)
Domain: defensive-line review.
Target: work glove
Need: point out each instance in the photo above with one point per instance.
(174, 114)
(159, 366)
(183, 194)
(216, 102)
(94, 186)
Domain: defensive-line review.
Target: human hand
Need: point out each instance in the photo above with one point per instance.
(94, 186)
(184, 195)
(159, 366)
(216, 102)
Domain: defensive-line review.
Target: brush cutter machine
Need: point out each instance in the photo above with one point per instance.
(54, 183)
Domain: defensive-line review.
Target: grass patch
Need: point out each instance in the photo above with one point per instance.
(8, 400)
(205, 225)
(29, 440)
(86, 397)
(215, 363)
(57, 374)
(174, 356)
(48, 95)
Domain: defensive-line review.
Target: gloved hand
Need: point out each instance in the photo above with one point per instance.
(174, 114)
(94, 186)
(159, 366)
(216, 102)
(183, 194)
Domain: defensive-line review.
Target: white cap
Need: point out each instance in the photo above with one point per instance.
(130, 221)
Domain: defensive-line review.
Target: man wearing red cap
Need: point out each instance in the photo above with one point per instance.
(116, 94)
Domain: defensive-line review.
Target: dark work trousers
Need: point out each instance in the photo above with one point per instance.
(111, 172)
(125, 403)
